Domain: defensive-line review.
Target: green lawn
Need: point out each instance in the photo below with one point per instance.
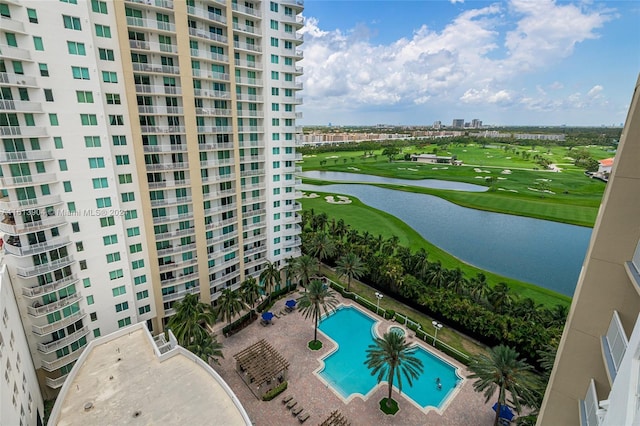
(364, 218)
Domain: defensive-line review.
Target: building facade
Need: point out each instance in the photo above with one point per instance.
(149, 152)
(21, 401)
(596, 376)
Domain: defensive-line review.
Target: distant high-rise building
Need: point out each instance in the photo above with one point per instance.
(476, 124)
(596, 375)
(458, 123)
(148, 152)
(437, 125)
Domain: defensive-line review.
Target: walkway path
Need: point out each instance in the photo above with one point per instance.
(289, 335)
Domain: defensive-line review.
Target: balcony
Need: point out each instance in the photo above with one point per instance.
(17, 181)
(250, 113)
(246, 10)
(172, 218)
(43, 269)
(47, 348)
(196, 11)
(20, 106)
(11, 52)
(57, 382)
(298, 4)
(39, 291)
(244, 28)
(165, 148)
(43, 330)
(162, 129)
(209, 74)
(11, 25)
(208, 35)
(249, 81)
(248, 64)
(255, 212)
(215, 146)
(47, 222)
(298, 70)
(31, 131)
(165, 4)
(43, 201)
(293, 19)
(180, 279)
(170, 201)
(216, 94)
(51, 366)
(614, 345)
(24, 156)
(589, 407)
(39, 310)
(17, 79)
(215, 129)
(170, 184)
(162, 47)
(31, 249)
(247, 97)
(247, 46)
(157, 68)
(175, 234)
(139, 45)
(177, 249)
(180, 294)
(213, 112)
(150, 24)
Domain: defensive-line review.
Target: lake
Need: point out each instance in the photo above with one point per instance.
(544, 253)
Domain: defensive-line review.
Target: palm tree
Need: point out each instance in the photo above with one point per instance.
(192, 320)
(230, 303)
(305, 268)
(317, 300)
(270, 277)
(500, 297)
(436, 275)
(321, 246)
(289, 270)
(250, 290)
(478, 287)
(351, 266)
(501, 370)
(207, 348)
(457, 281)
(391, 358)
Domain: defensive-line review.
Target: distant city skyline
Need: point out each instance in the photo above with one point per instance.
(513, 62)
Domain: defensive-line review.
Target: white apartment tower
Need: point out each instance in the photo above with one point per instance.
(148, 151)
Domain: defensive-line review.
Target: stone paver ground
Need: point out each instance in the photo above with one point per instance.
(290, 335)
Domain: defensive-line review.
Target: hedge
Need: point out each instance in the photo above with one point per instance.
(275, 391)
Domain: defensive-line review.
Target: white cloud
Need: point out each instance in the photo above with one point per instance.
(476, 58)
(456, 1)
(595, 92)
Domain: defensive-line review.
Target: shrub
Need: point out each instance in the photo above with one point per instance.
(275, 391)
(391, 313)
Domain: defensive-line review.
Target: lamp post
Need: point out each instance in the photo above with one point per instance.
(437, 326)
(378, 296)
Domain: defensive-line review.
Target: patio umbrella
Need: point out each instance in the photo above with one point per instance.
(290, 303)
(505, 411)
(267, 316)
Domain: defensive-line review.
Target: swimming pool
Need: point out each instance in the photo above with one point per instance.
(345, 371)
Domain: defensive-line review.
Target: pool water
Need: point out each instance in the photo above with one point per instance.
(346, 372)
(397, 330)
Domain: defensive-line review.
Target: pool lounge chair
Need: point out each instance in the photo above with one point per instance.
(291, 403)
(297, 410)
(287, 399)
(303, 417)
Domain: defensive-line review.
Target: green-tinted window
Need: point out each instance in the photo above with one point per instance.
(67, 186)
(57, 142)
(86, 282)
(107, 221)
(110, 239)
(106, 54)
(76, 48)
(84, 97)
(88, 119)
(63, 165)
(103, 31)
(53, 119)
(80, 73)
(99, 6)
(96, 163)
(37, 43)
(99, 183)
(71, 22)
(90, 300)
(11, 39)
(44, 70)
(92, 141)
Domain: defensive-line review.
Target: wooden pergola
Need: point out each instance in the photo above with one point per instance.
(336, 419)
(261, 367)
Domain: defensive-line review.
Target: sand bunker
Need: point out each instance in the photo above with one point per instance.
(311, 195)
(337, 199)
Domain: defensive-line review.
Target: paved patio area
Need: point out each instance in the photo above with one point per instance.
(289, 335)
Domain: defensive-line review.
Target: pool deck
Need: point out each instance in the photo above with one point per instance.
(289, 335)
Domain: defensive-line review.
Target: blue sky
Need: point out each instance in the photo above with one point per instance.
(513, 62)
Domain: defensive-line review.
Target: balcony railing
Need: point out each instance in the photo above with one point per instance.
(208, 35)
(165, 4)
(11, 52)
(150, 24)
(172, 218)
(196, 11)
(38, 311)
(589, 407)
(54, 365)
(157, 89)
(31, 131)
(20, 106)
(21, 228)
(14, 181)
(42, 330)
(6, 205)
(22, 156)
(180, 294)
(246, 10)
(158, 68)
(31, 249)
(176, 250)
(170, 201)
(247, 46)
(12, 25)
(47, 267)
(162, 129)
(17, 79)
(165, 148)
(57, 382)
(39, 291)
(49, 347)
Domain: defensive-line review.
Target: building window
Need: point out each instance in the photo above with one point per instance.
(113, 257)
(75, 226)
(80, 73)
(33, 16)
(99, 6)
(107, 221)
(124, 322)
(122, 306)
(119, 291)
(119, 140)
(37, 43)
(67, 186)
(114, 275)
(122, 160)
(76, 48)
(113, 99)
(88, 119)
(103, 31)
(106, 54)
(48, 95)
(63, 165)
(109, 77)
(71, 22)
(144, 309)
(103, 202)
(110, 239)
(44, 70)
(128, 196)
(92, 142)
(96, 163)
(99, 183)
(133, 232)
(53, 119)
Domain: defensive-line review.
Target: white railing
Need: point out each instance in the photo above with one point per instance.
(25, 156)
(27, 180)
(40, 290)
(615, 344)
(41, 330)
(38, 311)
(589, 409)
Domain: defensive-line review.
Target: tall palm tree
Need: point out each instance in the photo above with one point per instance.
(192, 320)
(321, 246)
(230, 303)
(501, 370)
(457, 282)
(390, 357)
(207, 348)
(351, 266)
(270, 277)
(289, 270)
(250, 290)
(305, 268)
(436, 275)
(500, 297)
(478, 287)
(319, 299)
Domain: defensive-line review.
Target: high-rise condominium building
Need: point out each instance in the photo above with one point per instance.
(148, 152)
(596, 377)
(457, 123)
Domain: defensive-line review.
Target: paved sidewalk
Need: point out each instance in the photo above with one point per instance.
(289, 335)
